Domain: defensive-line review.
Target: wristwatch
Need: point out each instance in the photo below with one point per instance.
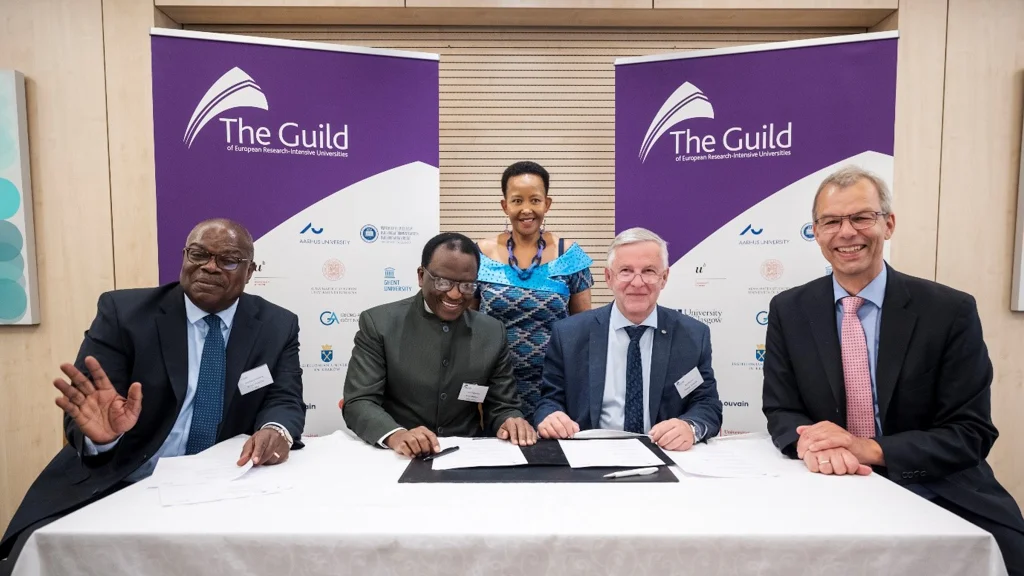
(696, 437)
(284, 431)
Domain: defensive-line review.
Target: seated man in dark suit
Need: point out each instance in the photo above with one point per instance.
(193, 349)
(421, 366)
(631, 365)
(869, 367)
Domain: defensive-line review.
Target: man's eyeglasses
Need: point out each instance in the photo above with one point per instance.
(648, 276)
(200, 257)
(859, 221)
(445, 285)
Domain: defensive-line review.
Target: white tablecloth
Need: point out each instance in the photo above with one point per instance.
(348, 515)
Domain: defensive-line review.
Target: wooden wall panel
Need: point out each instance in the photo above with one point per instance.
(58, 45)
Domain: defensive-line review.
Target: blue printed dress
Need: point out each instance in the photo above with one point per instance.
(528, 307)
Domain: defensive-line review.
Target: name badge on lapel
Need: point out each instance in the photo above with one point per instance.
(689, 382)
(255, 379)
(472, 392)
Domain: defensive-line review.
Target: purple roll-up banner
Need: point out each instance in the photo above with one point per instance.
(720, 152)
(328, 154)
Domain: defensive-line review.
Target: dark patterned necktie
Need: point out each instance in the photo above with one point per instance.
(634, 382)
(209, 400)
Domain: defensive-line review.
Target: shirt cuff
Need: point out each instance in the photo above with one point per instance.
(381, 441)
(287, 435)
(92, 449)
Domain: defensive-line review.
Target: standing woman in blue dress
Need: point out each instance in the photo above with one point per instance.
(529, 277)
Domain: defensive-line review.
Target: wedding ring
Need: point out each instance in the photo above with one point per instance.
(276, 455)
(820, 462)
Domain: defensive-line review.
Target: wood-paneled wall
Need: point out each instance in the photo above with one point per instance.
(58, 45)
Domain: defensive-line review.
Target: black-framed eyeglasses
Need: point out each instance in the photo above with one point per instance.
(647, 276)
(445, 285)
(859, 221)
(200, 257)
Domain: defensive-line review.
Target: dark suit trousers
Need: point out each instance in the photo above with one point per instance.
(1011, 542)
(7, 564)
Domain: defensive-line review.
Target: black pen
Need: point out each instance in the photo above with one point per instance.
(441, 453)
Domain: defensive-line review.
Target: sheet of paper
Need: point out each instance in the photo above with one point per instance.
(197, 469)
(729, 458)
(243, 488)
(478, 453)
(598, 434)
(630, 453)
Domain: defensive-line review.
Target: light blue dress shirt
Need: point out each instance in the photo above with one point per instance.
(613, 404)
(177, 439)
(870, 315)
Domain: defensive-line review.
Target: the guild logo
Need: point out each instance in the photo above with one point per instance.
(326, 353)
(334, 270)
(771, 269)
(235, 89)
(368, 233)
(685, 103)
(807, 231)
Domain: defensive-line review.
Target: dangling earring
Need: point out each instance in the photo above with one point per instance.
(508, 226)
(542, 229)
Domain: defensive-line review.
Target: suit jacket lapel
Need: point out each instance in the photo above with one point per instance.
(659, 362)
(598, 362)
(822, 316)
(894, 336)
(173, 335)
(245, 330)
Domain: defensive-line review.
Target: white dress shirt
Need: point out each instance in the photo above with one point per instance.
(613, 407)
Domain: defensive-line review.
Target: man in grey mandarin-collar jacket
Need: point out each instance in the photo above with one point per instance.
(421, 366)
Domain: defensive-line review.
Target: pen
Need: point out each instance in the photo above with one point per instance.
(635, 472)
(441, 453)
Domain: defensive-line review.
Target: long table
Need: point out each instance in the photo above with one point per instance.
(347, 514)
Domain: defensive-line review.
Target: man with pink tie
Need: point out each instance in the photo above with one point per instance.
(868, 368)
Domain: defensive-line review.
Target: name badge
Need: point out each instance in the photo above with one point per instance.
(689, 382)
(472, 392)
(255, 379)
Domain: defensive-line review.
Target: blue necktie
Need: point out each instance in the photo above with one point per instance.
(634, 382)
(209, 400)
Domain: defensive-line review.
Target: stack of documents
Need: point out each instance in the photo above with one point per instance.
(478, 453)
(208, 478)
(732, 457)
(609, 453)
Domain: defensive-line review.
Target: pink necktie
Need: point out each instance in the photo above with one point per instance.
(860, 409)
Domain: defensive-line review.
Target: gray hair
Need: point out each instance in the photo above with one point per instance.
(848, 176)
(634, 236)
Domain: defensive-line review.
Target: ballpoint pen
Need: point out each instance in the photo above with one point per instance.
(635, 472)
(441, 453)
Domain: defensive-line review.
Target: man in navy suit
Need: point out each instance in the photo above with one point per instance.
(631, 365)
(193, 348)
